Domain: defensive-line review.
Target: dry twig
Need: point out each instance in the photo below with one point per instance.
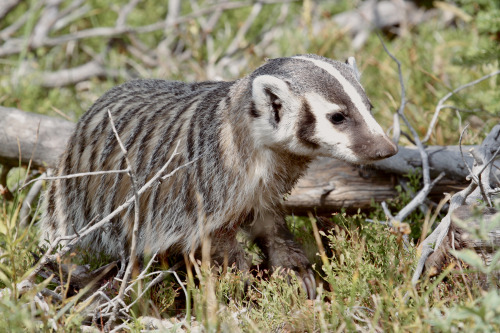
(24, 213)
(50, 17)
(135, 230)
(428, 184)
(75, 175)
(441, 105)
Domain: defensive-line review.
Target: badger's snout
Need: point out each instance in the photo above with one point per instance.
(385, 150)
(369, 149)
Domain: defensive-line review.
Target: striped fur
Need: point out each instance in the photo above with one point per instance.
(250, 141)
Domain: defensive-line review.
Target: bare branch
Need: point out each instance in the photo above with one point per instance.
(47, 19)
(441, 105)
(121, 328)
(135, 230)
(143, 274)
(155, 281)
(124, 12)
(456, 108)
(423, 153)
(484, 183)
(14, 27)
(462, 153)
(70, 13)
(268, 36)
(428, 185)
(240, 35)
(418, 199)
(14, 46)
(76, 175)
(387, 212)
(174, 9)
(73, 75)
(493, 157)
(396, 129)
(24, 213)
(7, 6)
(144, 57)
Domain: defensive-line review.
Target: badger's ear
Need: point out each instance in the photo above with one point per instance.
(352, 63)
(269, 94)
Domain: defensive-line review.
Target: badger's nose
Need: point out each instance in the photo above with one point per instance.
(387, 149)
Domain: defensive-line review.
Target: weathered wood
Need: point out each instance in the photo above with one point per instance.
(377, 15)
(25, 136)
(329, 184)
(332, 184)
(441, 159)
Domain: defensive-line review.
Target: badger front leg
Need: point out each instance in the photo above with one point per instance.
(226, 250)
(271, 234)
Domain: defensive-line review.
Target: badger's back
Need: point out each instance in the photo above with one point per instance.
(152, 117)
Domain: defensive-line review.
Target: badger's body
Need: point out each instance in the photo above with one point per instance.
(248, 142)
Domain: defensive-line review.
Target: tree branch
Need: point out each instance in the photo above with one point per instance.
(428, 185)
(441, 105)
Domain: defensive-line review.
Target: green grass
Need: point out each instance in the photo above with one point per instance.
(364, 285)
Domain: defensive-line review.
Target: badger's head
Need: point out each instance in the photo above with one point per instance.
(314, 106)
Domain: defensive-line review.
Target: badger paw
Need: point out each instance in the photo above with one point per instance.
(290, 256)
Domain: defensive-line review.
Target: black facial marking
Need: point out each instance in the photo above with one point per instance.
(306, 126)
(253, 111)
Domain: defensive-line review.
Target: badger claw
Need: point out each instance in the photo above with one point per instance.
(308, 283)
(305, 277)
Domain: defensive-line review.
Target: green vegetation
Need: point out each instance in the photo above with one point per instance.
(485, 15)
(366, 269)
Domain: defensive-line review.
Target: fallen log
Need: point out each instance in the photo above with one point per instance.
(26, 136)
(329, 184)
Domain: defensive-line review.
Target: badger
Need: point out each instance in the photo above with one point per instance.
(240, 148)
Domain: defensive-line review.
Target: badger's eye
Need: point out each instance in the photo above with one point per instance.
(336, 118)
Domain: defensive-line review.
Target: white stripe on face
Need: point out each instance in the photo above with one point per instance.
(351, 91)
